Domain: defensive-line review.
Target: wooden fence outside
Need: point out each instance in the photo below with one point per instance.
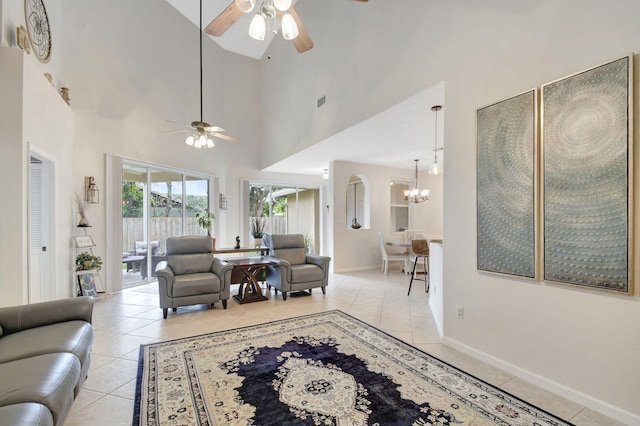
(160, 229)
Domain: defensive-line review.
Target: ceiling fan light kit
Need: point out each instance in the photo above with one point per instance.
(267, 17)
(282, 5)
(258, 27)
(272, 15)
(246, 6)
(289, 27)
(202, 133)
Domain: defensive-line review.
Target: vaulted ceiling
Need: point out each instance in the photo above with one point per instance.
(408, 126)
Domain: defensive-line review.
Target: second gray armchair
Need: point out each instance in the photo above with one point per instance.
(292, 269)
(191, 275)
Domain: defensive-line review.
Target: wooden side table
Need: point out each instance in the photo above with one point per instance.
(250, 267)
(231, 250)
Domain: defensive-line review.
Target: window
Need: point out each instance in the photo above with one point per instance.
(287, 210)
(157, 203)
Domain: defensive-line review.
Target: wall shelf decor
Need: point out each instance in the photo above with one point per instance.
(89, 282)
(587, 174)
(506, 176)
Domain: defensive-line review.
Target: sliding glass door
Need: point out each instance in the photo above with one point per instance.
(287, 210)
(157, 204)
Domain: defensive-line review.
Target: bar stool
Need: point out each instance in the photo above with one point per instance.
(419, 249)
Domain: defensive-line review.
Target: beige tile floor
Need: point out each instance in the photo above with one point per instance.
(125, 320)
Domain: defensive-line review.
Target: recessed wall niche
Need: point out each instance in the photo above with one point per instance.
(357, 213)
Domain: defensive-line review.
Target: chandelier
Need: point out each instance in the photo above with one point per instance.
(266, 18)
(436, 168)
(416, 195)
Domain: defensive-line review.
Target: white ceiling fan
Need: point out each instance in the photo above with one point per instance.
(292, 27)
(201, 131)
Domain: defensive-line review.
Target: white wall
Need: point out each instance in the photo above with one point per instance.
(34, 116)
(13, 253)
(581, 343)
(48, 128)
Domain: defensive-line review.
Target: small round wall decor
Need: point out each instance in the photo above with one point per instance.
(37, 21)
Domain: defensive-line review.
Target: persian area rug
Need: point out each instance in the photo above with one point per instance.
(320, 369)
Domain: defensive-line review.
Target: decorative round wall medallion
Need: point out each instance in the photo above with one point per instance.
(38, 29)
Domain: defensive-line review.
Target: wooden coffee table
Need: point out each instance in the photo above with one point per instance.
(250, 267)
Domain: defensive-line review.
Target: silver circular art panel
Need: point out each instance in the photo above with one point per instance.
(505, 179)
(585, 171)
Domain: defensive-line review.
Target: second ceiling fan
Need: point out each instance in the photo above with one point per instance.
(292, 27)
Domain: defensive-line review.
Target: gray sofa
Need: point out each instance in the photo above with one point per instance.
(292, 269)
(45, 353)
(191, 275)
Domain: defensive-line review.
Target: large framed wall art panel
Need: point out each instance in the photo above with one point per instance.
(506, 186)
(587, 178)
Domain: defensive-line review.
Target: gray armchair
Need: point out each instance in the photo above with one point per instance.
(293, 269)
(191, 275)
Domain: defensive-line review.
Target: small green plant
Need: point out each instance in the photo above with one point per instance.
(86, 261)
(205, 220)
(308, 241)
(257, 227)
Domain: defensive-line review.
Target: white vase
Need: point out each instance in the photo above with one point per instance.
(83, 222)
(257, 242)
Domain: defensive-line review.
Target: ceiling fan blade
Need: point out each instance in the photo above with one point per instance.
(214, 129)
(179, 124)
(177, 131)
(225, 20)
(363, 1)
(225, 137)
(303, 42)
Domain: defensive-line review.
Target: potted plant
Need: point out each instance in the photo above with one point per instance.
(308, 241)
(87, 267)
(205, 220)
(87, 262)
(257, 230)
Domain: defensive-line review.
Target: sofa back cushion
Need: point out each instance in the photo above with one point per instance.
(289, 247)
(182, 264)
(189, 254)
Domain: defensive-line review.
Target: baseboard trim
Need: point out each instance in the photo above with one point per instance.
(358, 269)
(601, 407)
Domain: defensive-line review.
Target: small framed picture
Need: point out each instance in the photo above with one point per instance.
(87, 283)
(84, 241)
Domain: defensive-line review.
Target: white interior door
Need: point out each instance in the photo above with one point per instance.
(40, 288)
